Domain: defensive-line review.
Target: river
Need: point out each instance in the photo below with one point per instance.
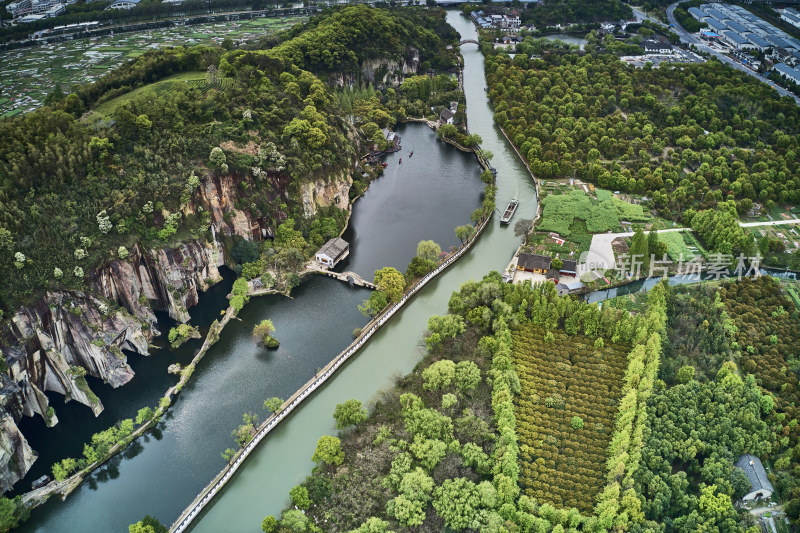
(284, 458)
(424, 197)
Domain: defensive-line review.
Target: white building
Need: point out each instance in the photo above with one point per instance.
(124, 4)
(791, 16)
(332, 252)
(788, 72)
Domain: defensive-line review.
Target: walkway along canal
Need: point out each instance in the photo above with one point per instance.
(261, 486)
(205, 497)
(160, 473)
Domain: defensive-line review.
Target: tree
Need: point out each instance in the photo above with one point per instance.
(329, 450)
(576, 422)
(262, 334)
(147, 525)
(245, 251)
(523, 228)
(557, 263)
(144, 414)
(428, 250)
(217, 160)
(468, 375)
(374, 304)
(443, 327)
(349, 413)
(273, 405)
(390, 282)
(439, 375)
(294, 521)
(269, 524)
(299, 497)
(457, 501)
(465, 232)
(685, 374)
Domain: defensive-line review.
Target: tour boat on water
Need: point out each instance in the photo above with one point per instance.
(512, 207)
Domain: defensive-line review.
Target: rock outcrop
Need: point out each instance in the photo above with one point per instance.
(380, 72)
(325, 193)
(16, 456)
(51, 345)
(168, 280)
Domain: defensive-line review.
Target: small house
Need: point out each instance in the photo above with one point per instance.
(332, 252)
(569, 267)
(538, 264)
(446, 116)
(569, 287)
(760, 487)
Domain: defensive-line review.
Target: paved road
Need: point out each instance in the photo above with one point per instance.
(770, 223)
(601, 251)
(688, 38)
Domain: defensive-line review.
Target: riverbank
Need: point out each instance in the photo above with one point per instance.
(220, 480)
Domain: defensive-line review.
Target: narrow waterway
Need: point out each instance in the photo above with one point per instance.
(161, 473)
(261, 487)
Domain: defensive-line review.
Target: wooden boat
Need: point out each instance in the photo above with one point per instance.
(411, 154)
(384, 165)
(509, 213)
(400, 162)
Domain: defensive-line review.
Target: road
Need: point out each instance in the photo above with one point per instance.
(601, 251)
(770, 223)
(688, 38)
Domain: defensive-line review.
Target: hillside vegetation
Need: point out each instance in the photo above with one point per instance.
(122, 161)
(457, 445)
(702, 141)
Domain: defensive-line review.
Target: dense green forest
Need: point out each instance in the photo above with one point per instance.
(565, 13)
(702, 141)
(88, 177)
(452, 446)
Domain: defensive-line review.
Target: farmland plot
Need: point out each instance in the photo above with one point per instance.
(565, 414)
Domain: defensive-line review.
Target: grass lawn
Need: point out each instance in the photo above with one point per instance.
(193, 78)
(676, 245)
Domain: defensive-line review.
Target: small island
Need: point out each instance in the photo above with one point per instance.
(262, 334)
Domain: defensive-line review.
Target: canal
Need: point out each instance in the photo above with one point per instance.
(284, 459)
(425, 197)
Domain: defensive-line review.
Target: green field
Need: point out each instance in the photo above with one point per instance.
(192, 79)
(29, 74)
(676, 245)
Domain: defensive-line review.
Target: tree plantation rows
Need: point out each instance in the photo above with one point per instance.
(765, 339)
(565, 411)
(462, 442)
(689, 136)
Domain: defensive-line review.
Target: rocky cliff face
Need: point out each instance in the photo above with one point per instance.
(16, 456)
(51, 345)
(325, 193)
(385, 71)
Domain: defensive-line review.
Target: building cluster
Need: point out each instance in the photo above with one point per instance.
(792, 16)
(25, 11)
(509, 23)
(33, 10)
(742, 30)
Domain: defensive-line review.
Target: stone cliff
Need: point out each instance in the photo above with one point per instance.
(52, 344)
(325, 193)
(381, 72)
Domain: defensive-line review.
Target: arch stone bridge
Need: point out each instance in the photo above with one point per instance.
(469, 41)
(348, 277)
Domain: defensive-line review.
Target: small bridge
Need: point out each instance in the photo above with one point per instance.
(348, 277)
(469, 41)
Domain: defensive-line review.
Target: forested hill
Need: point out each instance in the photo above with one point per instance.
(123, 161)
(341, 41)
